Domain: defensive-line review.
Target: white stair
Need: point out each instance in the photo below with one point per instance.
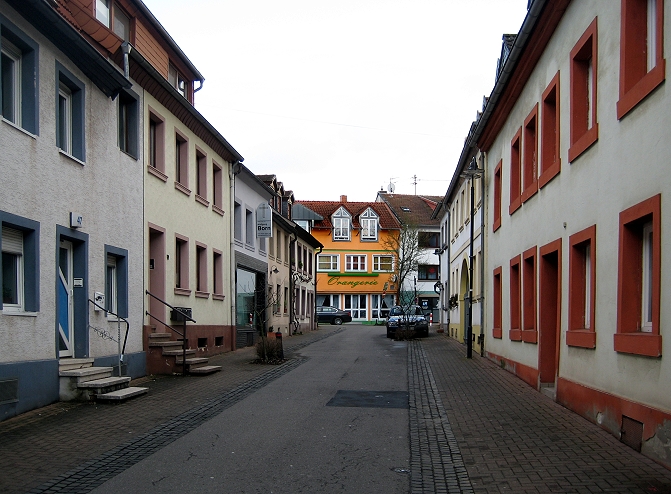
(79, 380)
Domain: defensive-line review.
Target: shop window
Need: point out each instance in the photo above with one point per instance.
(217, 190)
(550, 161)
(515, 173)
(201, 178)
(529, 332)
(642, 63)
(128, 123)
(584, 127)
(182, 163)
(530, 164)
(497, 197)
(515, 301)
(70, 114)
(217, 275)
(201, 270)
(156, 134)
(116, 280)
(182, 265)
(19, 77)
(638, 284)
(582, 289)
(497, 331)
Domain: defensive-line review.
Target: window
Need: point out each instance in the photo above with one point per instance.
(383, 263)
(201, 178)
(426, 240)
(249, 228)
(497, 331)
(181, 265)
(642, 64)
(217, 275)
(103, 12)
(201, 270)
(427, 272)
(355, 263)
(550, 160)
(529, 333)
(279, 246)
(70, 113)
(369, 221)
(182, 163)
(584, 128)
(121, 25)
(19, 271)
(515, 309)
(341, 224)
(515, 173)
(156, 146)
(285, 300)
(276, 302)
(639, 279)
(310, 254)
(582, 289)
(530, 165)
(177, 80)
(217, 190)
(497, 197)
(128, 123)
(18, 77)
(237, 226)
(116, 280)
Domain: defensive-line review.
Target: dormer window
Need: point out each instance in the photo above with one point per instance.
(369, 221)
(342, 224)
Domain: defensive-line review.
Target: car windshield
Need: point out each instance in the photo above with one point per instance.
(396, 311)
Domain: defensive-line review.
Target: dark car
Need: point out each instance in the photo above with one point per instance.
(332, 315)
(407, 317)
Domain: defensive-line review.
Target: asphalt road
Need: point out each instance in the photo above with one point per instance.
(290, 437)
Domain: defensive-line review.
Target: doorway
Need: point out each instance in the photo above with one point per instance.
(65, 288)
(550, 313)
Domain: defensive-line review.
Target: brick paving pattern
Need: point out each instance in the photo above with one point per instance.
(514, 439)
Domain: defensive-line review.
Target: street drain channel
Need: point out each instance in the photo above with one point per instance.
(369, 399)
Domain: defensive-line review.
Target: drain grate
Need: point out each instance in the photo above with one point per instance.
(632, 433)
(369, 399)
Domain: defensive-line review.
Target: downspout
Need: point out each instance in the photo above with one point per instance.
(482, 255)
(315, 323)
(292, 296)
(449, 265)
(126, 49)
(233, 271)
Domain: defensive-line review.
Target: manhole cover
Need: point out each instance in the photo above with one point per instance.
(369, 399)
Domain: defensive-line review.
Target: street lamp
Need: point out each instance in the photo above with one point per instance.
(471, 173)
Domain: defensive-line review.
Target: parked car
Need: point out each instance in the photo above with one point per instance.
(332, 315)
(407, 317)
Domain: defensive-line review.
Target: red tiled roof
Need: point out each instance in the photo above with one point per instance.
(327, 208)
(411, 209)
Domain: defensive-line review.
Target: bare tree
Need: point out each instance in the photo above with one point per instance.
(405, 248)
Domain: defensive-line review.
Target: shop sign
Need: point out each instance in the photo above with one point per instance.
(336, 281)
(264, 221)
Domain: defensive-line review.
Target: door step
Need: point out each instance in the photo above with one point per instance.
(121, 395)
(205, 369)
(550, 391)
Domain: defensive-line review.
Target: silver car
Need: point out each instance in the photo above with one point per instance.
(411, 317)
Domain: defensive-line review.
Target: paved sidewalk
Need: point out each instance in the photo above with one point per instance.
(38, 446)
(514, 439)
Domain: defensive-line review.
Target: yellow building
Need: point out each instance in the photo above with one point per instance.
(355, 269)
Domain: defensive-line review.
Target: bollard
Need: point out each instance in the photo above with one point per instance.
(278, 337)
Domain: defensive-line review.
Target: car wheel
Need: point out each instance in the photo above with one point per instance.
(337, 321)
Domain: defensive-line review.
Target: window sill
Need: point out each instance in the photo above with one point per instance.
(550, 172)
(582, 338)
(202, 294)
(496, 225)
(157, 173)
(530, 336)
(515, 205)
(497, 333)
(69, 156)
(20, 129)
(182, 291)
(18, 313)
(218, 296)
(217, 209)
(515, 335)
(238, 242)
(183, 188)
(641, 90)
(200, 199)
(584, 143)
(249, 247)
(645, 344)
(530, 191)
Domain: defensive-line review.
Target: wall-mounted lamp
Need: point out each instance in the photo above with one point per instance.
(274, 270)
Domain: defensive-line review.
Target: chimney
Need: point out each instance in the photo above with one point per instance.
(343, 198)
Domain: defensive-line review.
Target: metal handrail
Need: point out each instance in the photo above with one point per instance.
(182, 334)
(120, 351)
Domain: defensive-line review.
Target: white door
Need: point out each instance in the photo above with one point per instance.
(356, 305)
(64, 289)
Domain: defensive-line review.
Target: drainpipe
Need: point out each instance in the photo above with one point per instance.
(292, 296)
(483, 156)
(449, 265)
(126, 49)
(234, 170)
(315, 323)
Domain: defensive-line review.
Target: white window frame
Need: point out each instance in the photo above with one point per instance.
(377, 263)
(369, 223)
(342, 225)
(111, 288)
(356, 259)
(12, 244)
(14, 55)
(646, 278)
(333, 266)
(103, 11)
(65, 119)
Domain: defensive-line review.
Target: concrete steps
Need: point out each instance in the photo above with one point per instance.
(79, 380)
(166, 357)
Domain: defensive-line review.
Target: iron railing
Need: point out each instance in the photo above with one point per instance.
(120, 350)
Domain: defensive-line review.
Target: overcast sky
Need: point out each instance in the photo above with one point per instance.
(343, 97)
